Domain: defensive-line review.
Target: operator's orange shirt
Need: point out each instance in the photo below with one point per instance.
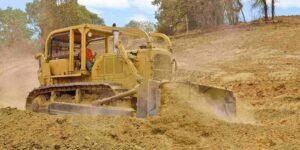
(89, 54)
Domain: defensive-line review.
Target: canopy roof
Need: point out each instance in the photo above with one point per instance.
(104, 31)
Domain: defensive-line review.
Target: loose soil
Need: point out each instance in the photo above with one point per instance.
(258, 62)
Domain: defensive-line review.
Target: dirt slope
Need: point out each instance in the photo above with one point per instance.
(260, 63)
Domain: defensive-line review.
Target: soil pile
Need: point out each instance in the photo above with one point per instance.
(179, 125)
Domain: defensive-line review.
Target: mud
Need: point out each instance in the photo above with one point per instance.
(259, 63)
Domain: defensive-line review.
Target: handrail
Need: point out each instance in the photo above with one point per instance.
(133, 69)
(166, 39)
(41, 58)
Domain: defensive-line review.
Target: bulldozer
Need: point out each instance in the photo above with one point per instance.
(116, 81)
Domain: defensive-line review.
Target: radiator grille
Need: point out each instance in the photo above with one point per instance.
(162, 67)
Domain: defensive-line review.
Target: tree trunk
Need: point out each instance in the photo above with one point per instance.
(273, 9)
(230, 12)
(266, 10)
(243, 15)
(240, 9)
(187, 23)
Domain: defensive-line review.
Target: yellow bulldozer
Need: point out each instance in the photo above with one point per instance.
(86, 69)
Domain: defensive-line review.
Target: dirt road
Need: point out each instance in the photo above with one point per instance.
(259, 63)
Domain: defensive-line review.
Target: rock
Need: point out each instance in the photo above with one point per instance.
(56, 147)
(158, 130)
(249, 83)
(283, 121)
(95, 144)
(87, 138)
(61, 120)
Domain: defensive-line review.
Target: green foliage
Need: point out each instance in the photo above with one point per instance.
(48, 15)
(143, 25)
(175, 15)
(13, 26)
(170, 13)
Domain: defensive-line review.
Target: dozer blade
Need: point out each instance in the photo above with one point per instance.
(148, 99)
(148, 93)
(66, 108)
(222, 101)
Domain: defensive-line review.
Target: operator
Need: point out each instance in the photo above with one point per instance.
(89, 59)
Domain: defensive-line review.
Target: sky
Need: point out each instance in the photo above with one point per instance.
(122, 11)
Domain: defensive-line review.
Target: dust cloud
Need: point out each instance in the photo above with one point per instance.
(18, 76)
(245, 113)
(203, 104)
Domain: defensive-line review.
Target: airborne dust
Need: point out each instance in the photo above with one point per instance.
(18, 74)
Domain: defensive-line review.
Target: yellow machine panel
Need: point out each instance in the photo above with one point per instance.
(59, 67)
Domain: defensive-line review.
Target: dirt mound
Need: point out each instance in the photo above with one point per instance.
(179, 125)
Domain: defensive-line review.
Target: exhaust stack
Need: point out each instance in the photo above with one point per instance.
(116, 35)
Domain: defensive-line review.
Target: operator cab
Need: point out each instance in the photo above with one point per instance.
(64, 50)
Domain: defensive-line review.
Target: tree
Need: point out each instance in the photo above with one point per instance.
(262, 4)
(181, 15)
(241, 9)
(233, 8)
(205, 14)
(13, 26)
(273, 9)
(48, 15)
(146, 26)
(169, 14)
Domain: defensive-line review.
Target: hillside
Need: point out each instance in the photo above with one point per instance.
(258, 62)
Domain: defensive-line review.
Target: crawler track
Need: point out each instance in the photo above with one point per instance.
(103, 89)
